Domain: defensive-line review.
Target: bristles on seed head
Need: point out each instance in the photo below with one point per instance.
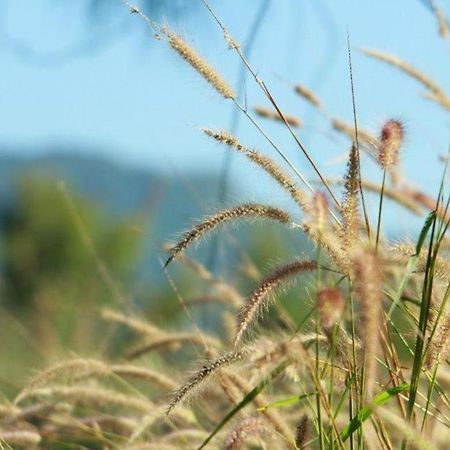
(224, 137)
(20, 438)
(74, 368)
(199, 64)
(391, 139)
(237, 437)
(267, 164)
(440, 345)
(274, 115)
(302, 432)
(259, 299)
(319, 211)
(249, 210)
(350, 207)
(308, 95)
(206, 371)
(331, 305)
(368, 283)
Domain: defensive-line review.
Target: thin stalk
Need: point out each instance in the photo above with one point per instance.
(380, 208)
(317, 365)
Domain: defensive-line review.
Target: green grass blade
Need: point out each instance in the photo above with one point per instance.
(412, 263)
(245, 401)
(364, 413)
(286, 402)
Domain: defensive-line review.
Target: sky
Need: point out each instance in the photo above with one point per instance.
(104, 85)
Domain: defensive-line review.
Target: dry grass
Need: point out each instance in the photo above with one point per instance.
(366, 364)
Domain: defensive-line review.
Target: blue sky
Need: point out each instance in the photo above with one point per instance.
(118, 92)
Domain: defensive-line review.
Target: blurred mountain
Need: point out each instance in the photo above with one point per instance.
(169, 201)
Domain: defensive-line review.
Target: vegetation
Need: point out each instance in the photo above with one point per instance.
(361, 362)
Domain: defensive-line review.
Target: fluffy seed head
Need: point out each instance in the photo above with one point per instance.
(350, 206)
(237, 437)
(273, 115)
(252, 210)
(391, 139)
(210, 74)
(440, 345)
(302, 432)
(331, 305)
(368, 282)
(259, 299)
(223, 137)
(308, 95)
(205, 371)
(318, 209)
(267, 164)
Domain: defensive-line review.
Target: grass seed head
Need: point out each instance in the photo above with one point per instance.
(211, 75)
(391, 139)
(248, 210)
(331, 305)
(259, 299)
(201, 375)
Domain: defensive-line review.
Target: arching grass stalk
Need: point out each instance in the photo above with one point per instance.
(380, 208)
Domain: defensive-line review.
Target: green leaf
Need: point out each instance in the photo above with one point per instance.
(364, 413)
(286, 402)
(412, 263)
(423, 233)
(246, 400)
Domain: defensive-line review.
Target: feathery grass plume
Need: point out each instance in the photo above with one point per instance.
(350, 205)
(90, 395)
(436, 93)
(394, 194)
(174, 340)
(260, 298)
(329, 240)
(440, 345)
(369, 288)
(260, 401)
(426, 201)
(368, 141)
(442, 21)
(191, 56)
(183, 436)
(413, 437)
(319, 211)
(74, 368)
(248, 210)
(143, 373)
(274, 115)
(238, 435)
(137, 325)
(331, 305)
(266, 163)
(19, 438)
(302, 432)
(391, 139)
(201, 375)
(401, 252)
(227, 293)
(308, 95)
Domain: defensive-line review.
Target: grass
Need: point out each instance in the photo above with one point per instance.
(365, 367)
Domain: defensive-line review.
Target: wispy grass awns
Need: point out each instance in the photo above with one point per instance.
(356, 356)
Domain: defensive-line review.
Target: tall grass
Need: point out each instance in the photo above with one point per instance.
(366, 364)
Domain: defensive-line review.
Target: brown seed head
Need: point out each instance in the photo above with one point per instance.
(368, 282)
(331, 305)
(191, 56)
(259, 299)
(319, 211)
(391, 139)
(308, 95)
